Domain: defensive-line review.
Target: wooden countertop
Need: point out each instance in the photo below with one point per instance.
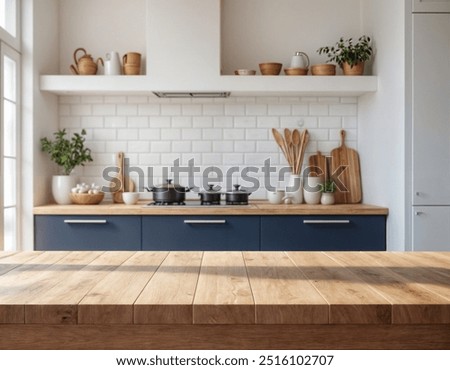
(225, 288)
(223, 300)
(254, 208)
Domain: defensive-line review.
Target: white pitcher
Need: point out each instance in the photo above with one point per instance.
(112, 64)
(298, 60)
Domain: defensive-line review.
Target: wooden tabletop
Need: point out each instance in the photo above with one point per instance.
(254, 208)
(306, 288)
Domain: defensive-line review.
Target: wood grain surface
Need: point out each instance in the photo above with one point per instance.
(254, 208)
(350, 178)
(222, 300)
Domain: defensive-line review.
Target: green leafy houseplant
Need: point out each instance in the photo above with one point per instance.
(328, 187)
(346, 51)
(67, 153)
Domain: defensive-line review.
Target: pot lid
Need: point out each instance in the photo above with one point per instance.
(169, 185)
(210, 190)
(236, 190)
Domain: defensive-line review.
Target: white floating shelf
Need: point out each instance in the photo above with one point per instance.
(237, 85)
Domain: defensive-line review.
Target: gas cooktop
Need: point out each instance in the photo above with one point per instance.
(196, 203)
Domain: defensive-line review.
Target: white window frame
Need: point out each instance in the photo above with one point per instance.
(6, 37)
(14, 55)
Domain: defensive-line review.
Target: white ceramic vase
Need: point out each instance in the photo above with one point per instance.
(61, 188)
(312, 190)
(294, 189)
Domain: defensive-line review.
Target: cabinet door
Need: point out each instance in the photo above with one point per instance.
(431, 227)
(431, 6)
(431, 109)
(200, 233)
(323, 233)
(77, 233)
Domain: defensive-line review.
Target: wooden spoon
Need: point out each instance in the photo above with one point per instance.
(290, 148)
(280, 141)
(296, 141)
(303, 143)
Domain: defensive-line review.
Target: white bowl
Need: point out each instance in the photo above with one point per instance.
(130, 198)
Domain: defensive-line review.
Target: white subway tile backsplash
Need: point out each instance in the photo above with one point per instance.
(279, 109)
(170, 134)
(330, 122)
(81, 110)
(137, 122)
(159, 122)
(202, 122)
(103, 109)
(127, 109)
(234, 134)
(343, 110)
(115, 121)
(318, 109)
(92, 122)
(149, 109)
(226, 133)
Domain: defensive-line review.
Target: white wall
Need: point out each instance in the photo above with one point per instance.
(39, 110)
(100, 26)
(381, 116)
(256, 31)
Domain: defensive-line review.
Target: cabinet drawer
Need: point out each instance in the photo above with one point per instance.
(87, 233)
(206, 233)
(323, 233)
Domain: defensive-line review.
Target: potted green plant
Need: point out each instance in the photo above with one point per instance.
(327, 190)
(67, 154)
(349, 55)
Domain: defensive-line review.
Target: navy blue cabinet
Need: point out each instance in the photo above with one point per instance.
(201, 233)
(87, 233)
(323, 233)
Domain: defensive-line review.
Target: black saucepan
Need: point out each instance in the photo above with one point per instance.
(237, 196)
(169, 193)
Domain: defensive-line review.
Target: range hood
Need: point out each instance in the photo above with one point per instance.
(186, 94)
(183, 45)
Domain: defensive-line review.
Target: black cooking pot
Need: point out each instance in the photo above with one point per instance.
(237, 196)
(210, 196)
(168, 192)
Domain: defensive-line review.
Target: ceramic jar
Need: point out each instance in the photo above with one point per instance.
(294, 190)
(276, 196)
(312, 189)
(61, 188)
(327, 198)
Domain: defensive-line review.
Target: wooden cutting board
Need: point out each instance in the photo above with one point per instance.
(320, 161)
(121, 182)
(350, 177)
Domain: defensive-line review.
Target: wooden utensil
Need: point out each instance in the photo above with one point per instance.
(280, 141)
(318, 161)
(345, 172)
(118, 182)
(303, 144)
(290, 147)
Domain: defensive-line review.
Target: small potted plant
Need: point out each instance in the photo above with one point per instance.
(67, 154)
(350, 56)
(327, 190)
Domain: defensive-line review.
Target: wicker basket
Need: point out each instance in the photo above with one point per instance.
(323, 69)
(84, 198)
(356, 70)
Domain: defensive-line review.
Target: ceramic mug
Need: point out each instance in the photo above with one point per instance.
(275, 197)
(132, 58)
(130, 197)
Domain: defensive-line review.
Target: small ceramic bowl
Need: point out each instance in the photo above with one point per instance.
(130, 197)
(245, 72)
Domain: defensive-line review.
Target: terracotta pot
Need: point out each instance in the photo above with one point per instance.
(356, 70)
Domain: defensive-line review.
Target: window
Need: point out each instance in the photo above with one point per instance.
(9, 125)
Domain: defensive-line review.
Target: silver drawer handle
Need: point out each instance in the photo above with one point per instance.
(326, 221)
(85, 221)
(205, 221)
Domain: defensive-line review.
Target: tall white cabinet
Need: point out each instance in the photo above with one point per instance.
(431, 130)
